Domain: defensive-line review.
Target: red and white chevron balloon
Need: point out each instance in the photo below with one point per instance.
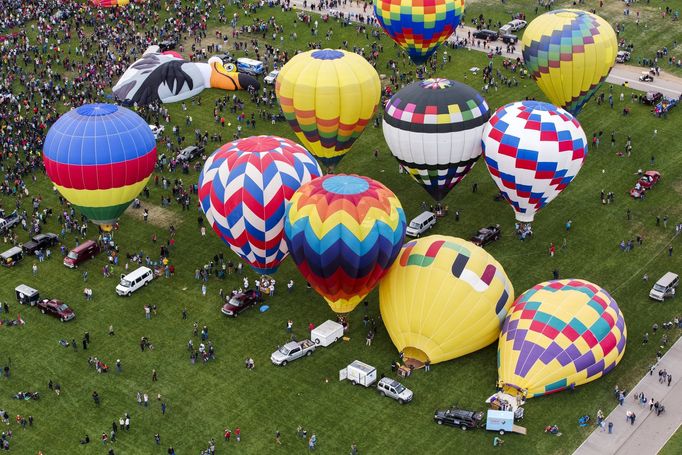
(243, 189)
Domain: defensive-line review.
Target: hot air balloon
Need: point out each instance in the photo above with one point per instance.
(419, 26)
(558, 335)
(243, 189)
(444, 298)
(100, 156)
(328, 97)
(344, 232)
(434, 129)
(569, 53)
(167, 77)
(533, 150)
(110, 3)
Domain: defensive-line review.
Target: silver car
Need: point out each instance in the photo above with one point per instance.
(388, 387)
(292, 351)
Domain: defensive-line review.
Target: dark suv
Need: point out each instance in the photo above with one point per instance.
(508, 38)
(167, 45)
(40, 241)
(459, 418)
(487, 35)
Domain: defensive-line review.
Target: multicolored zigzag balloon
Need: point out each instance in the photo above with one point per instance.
(344, 232)
(243, 189)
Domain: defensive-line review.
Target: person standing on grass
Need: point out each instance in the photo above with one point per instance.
(278, 438)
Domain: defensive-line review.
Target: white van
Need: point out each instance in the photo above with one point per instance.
(359, 373)
(134, 281)
(421, 224)
(665, 287)
(250, 66)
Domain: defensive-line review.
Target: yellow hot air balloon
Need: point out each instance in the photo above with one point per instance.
(443, 298)
(560, 334)
(328, 96)
(569, 53)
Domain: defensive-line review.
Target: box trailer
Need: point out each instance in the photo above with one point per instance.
(327, 333)
(502, 421)
(359, 373)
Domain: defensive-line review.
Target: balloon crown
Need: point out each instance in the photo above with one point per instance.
(345, 184)
(327, 54)
(436, 83)
(96, 110)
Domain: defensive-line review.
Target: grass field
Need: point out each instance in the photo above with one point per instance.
(204, 399)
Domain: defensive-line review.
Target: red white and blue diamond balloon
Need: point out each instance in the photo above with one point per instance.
(243, 189)
(533, 150)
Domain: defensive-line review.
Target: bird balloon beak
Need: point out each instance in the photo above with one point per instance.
(229, 80)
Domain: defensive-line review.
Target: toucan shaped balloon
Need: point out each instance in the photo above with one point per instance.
(166, 77)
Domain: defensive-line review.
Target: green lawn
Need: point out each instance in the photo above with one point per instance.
(204, 399)
(674, 445)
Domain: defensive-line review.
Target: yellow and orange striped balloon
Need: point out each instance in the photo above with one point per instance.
(328, 97)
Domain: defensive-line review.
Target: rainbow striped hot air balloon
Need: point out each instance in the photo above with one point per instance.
(344, 232)
(419, 26)
(100, 156)
(558, 335)
(328, 97)
(243, 189)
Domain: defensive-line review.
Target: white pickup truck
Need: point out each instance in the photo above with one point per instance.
(292, 351)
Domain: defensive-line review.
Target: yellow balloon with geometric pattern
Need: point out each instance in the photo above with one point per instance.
(558, 335)
(569, 53)
(443, 298)
(328, 97)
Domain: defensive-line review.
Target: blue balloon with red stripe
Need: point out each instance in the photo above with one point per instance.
(100, 157)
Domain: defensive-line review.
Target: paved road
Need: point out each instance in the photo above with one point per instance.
(667, 84)
(650, 432)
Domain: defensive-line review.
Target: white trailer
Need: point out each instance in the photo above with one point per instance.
(359, 373)
(327, 333)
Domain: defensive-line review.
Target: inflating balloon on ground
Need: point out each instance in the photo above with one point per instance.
(444, 298)
(167, 77)
(558, 335)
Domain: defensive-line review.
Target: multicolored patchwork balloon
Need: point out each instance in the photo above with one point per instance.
(444, 298)
(569, 53)
(533, 150)
(243, 189)
(328, 97)
(434, 129)
(344, 232)
(110, 3)
(100, 156)
(419, 26)
(558, 335)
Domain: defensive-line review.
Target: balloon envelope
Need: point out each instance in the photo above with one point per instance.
(328, 97)
(560, 334)
(419, 26)
(569, 53)
(100, 156)
(243, 189)
(444, 298)
(344, 232)
(533, 150)
(434, 129)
